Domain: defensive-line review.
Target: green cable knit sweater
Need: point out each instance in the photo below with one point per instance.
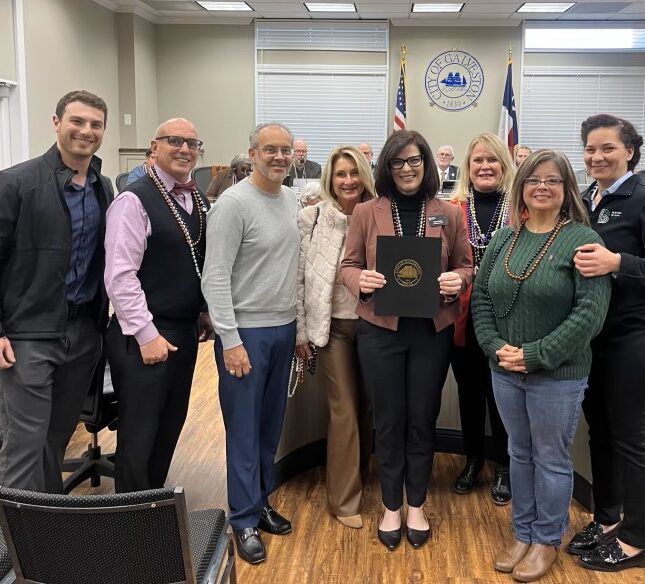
(556, 312)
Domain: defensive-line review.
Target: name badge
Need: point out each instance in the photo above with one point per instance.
(437, 220)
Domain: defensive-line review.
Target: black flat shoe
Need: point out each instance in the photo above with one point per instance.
(390, 539)
(465, 482)
(417, 537)
(249, 545)
(501, 489)
(590, 538)
(610, 557)
(272, 522)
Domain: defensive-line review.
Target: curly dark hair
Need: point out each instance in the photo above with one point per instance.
(393, 145)
(628, 134)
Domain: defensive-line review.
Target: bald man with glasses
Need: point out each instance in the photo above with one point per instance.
(155, 245)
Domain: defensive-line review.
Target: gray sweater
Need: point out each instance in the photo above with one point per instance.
(249, 275)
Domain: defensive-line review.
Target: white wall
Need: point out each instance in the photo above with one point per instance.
(70, 44)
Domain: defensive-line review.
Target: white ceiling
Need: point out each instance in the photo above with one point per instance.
(398, 12)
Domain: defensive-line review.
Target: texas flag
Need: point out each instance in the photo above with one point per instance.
(507, 130)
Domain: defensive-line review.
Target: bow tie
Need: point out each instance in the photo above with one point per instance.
(190, 185)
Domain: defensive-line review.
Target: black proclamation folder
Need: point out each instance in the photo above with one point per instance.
(411, 266)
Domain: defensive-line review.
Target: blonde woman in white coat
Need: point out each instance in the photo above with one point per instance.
(326, 318)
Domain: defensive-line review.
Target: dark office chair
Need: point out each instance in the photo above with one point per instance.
(121, 181)
(6, 574)
(145, 537)
(99, 411)
(202, 175)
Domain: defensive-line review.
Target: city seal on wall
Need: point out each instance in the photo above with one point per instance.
(454, 80)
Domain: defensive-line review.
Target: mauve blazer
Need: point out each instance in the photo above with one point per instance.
(375, 218)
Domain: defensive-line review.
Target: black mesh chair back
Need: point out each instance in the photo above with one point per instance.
(202, 175)
(121, 181)
(128, 538)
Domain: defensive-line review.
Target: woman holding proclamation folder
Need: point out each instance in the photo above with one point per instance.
(405, 359)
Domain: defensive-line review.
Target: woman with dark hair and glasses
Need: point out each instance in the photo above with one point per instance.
(405, 360)
(534, 316)
(615, 402)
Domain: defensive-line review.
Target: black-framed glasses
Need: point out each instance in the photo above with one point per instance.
(178, 142)
(273, 150)
(413, 161)
(549, 182)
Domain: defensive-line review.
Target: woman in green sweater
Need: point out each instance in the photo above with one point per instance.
(534, 316)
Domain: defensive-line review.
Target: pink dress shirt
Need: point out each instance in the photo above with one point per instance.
(126, 236)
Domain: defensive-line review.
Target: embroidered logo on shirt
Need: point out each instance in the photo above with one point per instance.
(604, 216)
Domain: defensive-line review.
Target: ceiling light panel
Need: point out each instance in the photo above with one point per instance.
(556, 7)
(452, 7)
(226, 6)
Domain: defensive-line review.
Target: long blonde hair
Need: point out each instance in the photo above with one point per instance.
(499, 149)
(364, 173)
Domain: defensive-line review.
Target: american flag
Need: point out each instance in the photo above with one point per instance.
(507, 130)
(400, 110)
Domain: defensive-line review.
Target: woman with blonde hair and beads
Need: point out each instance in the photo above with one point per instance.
(535, 315)
(483, 190)
(325, 318)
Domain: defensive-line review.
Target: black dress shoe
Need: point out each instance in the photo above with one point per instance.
(417, 537)
(465, 482)
(590, 538)
(272, 522)
(249, 545)
(610, 557)
(390, 539)
(501, 489)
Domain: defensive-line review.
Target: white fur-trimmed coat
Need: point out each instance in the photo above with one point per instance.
(318, 264)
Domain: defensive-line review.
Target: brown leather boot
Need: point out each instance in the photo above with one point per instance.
(535, 563)
(510, 556)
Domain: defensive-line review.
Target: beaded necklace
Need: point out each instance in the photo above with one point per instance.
(527, 271)
(201, 212)
(421, 225)
(478, 240)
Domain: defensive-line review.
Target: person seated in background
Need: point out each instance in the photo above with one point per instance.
(311, 194)
(138, 171)
(302, 167)
(240, 168)
(520, 153)
(367, 151)
(326, 318)
(445, 168)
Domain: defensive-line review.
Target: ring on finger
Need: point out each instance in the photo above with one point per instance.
(231, 371)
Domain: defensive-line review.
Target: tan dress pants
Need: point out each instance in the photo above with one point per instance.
(349, 435)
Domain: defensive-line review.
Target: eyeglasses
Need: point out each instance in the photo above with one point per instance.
(413, 161)
(549, 182)
(273, 150)
(178, 142)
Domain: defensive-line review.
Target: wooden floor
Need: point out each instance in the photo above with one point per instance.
(467, 529)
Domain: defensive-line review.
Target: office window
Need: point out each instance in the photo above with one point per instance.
(326, 81)
(555, 101)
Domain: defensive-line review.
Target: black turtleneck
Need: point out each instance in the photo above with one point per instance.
(485, 205)
(409, 206)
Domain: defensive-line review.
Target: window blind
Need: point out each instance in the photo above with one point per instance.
(555, 101)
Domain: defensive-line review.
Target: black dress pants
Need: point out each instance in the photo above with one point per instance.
(153, 404)
(405, 371)
(472, 373)
(614, 407)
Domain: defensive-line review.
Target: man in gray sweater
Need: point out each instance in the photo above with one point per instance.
(249, 283)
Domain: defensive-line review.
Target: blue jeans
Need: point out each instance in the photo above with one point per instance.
(540, 416)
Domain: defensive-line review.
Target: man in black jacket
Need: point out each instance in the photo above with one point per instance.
(52, 301)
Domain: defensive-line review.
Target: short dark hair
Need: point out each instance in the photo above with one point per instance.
(626, 131)
(393, 145)
(84, 97)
